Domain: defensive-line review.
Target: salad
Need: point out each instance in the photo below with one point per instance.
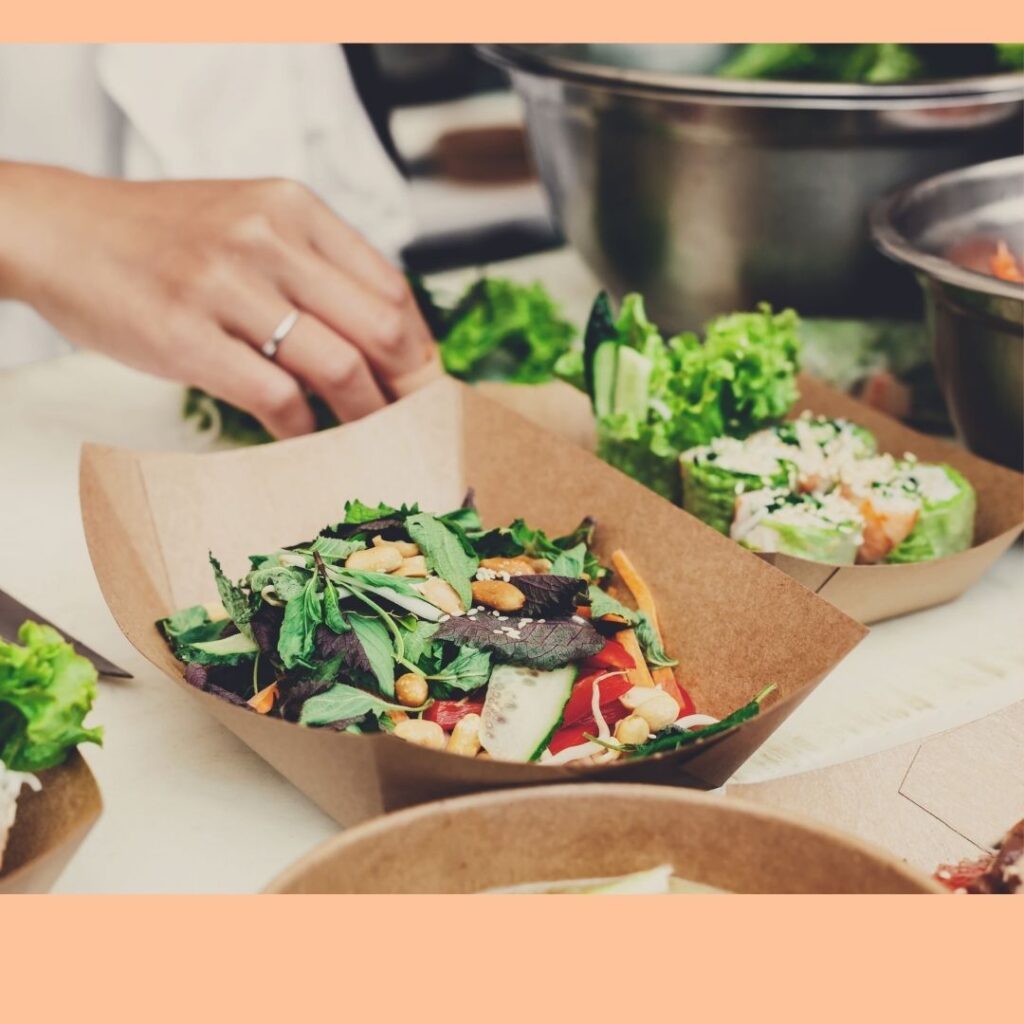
(500, 643)
(659, 881)
(871, 63)
(46, 691)
(701, 424)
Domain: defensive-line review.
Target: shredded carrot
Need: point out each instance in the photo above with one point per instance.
(637, 587)
(263, 702)
(640, 674)
(662, 676)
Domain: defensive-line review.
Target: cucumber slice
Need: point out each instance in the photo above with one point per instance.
(632, 377)
(605, 359)
(522, 709)
(226, 650)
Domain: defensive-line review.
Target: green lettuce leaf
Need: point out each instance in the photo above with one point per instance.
(343, 703)
(445, 552)
(46, 691)
(501, 330)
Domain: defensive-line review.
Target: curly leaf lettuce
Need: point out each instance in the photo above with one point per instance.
(740, 378)
(46, 691)
(501, 330)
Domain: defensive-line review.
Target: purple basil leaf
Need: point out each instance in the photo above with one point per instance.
(229, 682)
(551, 596)
(266, 627)
(544, 645)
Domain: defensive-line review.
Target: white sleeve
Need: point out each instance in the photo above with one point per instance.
(243, 111)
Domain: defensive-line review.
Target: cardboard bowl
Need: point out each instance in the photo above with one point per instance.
(49, 827)
(868, 593)
(563, 832)
(734, 622)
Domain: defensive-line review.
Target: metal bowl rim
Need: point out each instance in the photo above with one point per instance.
(1006, 87)
(898, 247)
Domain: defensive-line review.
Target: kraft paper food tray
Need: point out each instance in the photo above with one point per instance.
(49, 827)
(947, 798)
(595, 831)
(735, 623)
(869, 593)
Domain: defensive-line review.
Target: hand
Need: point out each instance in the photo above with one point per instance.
(188, 279)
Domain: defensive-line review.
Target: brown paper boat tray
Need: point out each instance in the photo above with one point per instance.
(868, 593)
(49, 827)
(734, 622)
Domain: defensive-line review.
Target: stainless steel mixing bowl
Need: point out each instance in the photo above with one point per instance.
(709, 194)
(976, 320)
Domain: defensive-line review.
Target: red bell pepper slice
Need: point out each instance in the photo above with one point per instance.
(612, 655)
(447, 712)
(573, 735)
(580, 704)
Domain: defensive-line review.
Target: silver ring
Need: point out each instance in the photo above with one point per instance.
(283, 329)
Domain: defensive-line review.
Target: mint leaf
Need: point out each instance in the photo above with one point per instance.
(336, 549)
(445, 553)
(571, 562)
(341, 703)
(357, 512)
(233, 599)
(333, 619)
(469, 670)
(376, 643)
(417, 637)
(302, 614)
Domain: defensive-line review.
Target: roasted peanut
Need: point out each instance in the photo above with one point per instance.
(416, 565)
(659, 712)
(499, 595)
(540, 565)
(411, 690)
(405, 548)
(397, 716)
(510, 566)
(421, 732)
(657, 708)
(465, 737)
(374, 560)
(441, 594)
(632, 730)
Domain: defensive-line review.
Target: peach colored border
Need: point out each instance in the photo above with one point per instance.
(486, 960)
(521, 21)
(483, 959)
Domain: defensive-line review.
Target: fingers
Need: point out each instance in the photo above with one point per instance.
(232, 371)
(311, 353)
(392, 337)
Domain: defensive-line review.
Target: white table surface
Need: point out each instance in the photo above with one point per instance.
(189, 808)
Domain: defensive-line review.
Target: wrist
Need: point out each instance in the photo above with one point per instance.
(28, 244)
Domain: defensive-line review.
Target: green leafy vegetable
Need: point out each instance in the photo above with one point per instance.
(672, 739)
(873, 63)
(46, 691)
(376, 643)
(602, 604)
(445, 553)
(468, 671)
(501, 330)
(571, 562)
(684, 392)
(343, 703)
(336, 549)
(231, 596)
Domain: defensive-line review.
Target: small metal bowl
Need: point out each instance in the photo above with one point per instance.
(976, 320)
